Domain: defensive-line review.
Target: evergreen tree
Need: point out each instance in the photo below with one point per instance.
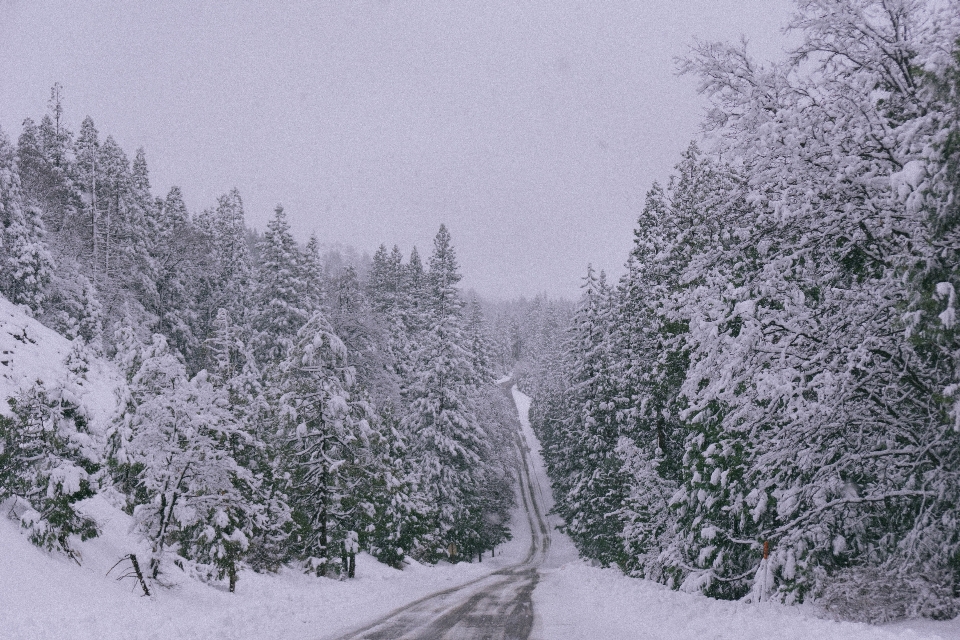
(327, 432)
(398, 521)
(26, 262)
(47, 464)
(280, 310)
(177, 264)
(86, 175)
(592, 486)
(255, 446)
(446, 436)
(173, 443)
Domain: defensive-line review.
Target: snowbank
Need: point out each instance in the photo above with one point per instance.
(577, 601)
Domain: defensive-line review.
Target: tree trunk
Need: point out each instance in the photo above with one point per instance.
(136, 570)
(232, 573)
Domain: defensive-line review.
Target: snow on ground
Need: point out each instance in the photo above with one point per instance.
(45, 596)
(576, 601)
(30, 352)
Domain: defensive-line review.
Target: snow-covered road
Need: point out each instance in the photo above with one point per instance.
(535, 587)
(497, 605)
(551, 594)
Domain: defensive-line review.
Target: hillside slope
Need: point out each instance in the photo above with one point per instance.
(46, 595)
(30, 352)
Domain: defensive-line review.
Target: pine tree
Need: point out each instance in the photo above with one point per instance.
(54, 133)
(86, 175)
(44, 158)
(47, 464)
(327, 432)
(446, 436)
(225, 283)
(255, 446)
(173, 445)
(313, 274)
(591, 490)
(398, 521)
(26, 262)
(177, 265)
(280, 310)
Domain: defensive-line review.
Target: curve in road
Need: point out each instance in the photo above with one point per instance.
(496, 606)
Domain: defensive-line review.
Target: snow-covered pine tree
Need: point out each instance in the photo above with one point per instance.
(328, 450)
(280, 311)
(178, 266)
(389, 302)
(26, 262)
(255, 445)
(173, 445)
(47, 464)
(592, 484)
(227, 282)
(398, 521)
(312, 270)
(349, 313)
(415, 295)
(86, 175)
(125, 272)
(55, 136)
(44, 155)
(685, 244)
(445, 434)
(651, 366)
(384, 281)
(480, 348)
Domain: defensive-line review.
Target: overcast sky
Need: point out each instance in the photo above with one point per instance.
(531, 128)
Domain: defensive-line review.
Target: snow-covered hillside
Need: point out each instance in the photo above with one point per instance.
(30, 352)
(46, 595)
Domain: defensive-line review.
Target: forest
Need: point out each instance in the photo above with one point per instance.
(283, 402)
(764, 407)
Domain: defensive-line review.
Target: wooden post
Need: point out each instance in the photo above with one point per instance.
(766, 549)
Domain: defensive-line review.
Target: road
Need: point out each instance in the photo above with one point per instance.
(497, 606)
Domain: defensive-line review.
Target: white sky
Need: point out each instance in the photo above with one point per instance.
(532, 128)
